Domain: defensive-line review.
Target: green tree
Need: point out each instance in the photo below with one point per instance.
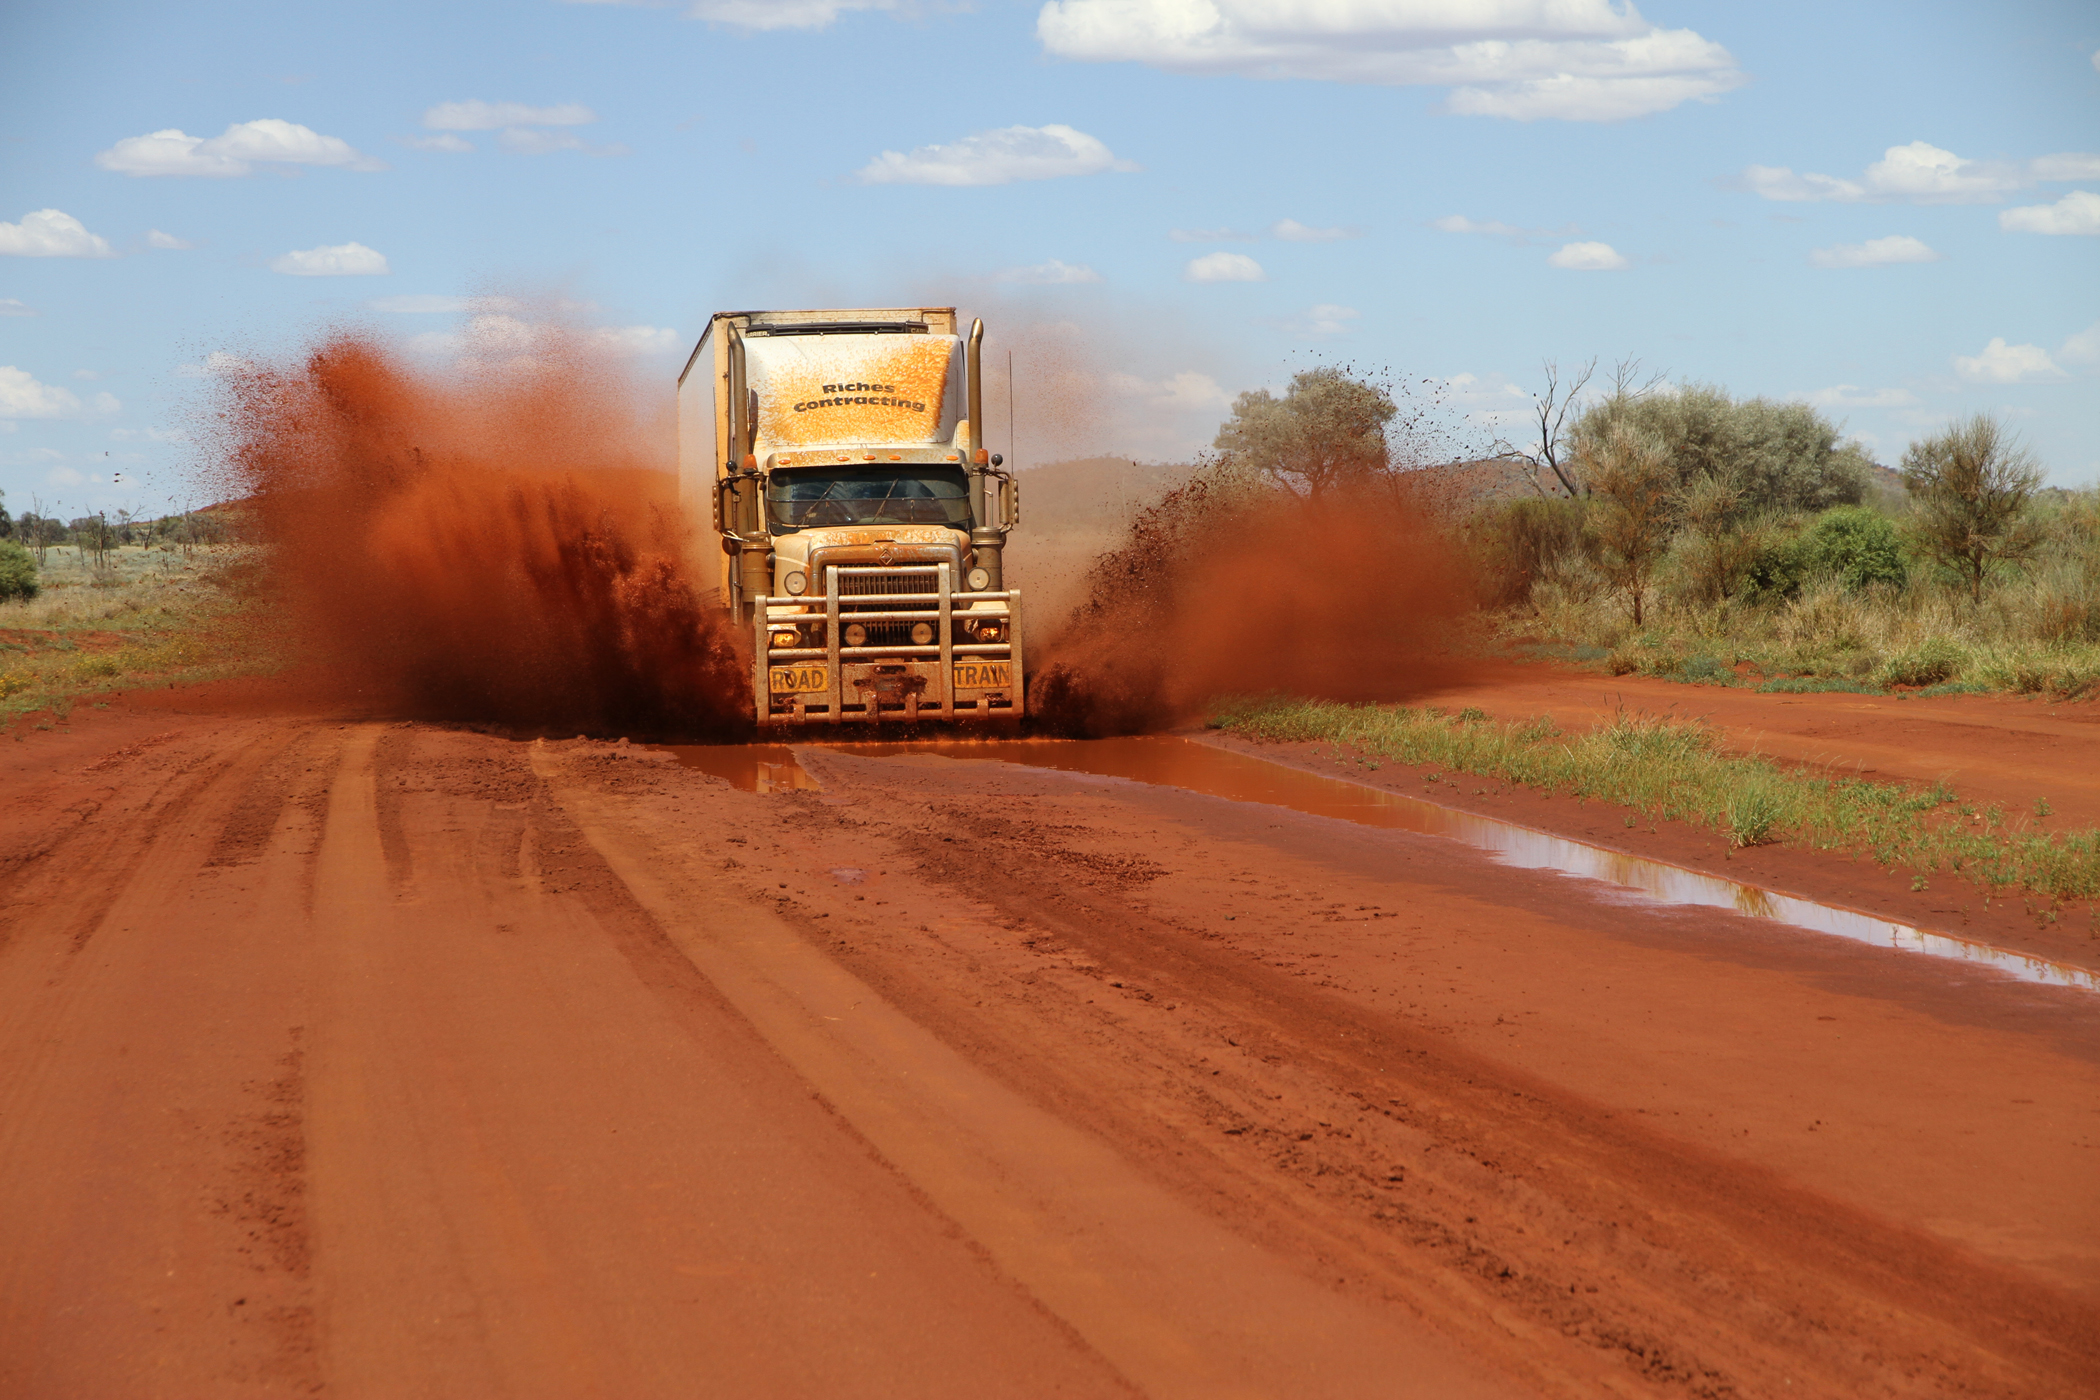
(1632, 514)
(1328, 431)
(1971, 486)
(17, 571)
(1858, 545)
(1778, 456)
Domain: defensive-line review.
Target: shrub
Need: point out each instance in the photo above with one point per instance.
(1931, 662)
(1525, 541)
(1856, 544)
(17, 571)
(1776, 569)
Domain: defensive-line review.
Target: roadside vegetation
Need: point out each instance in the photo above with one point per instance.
(1685, 534)
(1675, 770)
(95, 606)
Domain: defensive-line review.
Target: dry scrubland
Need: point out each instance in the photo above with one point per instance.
(103, 622)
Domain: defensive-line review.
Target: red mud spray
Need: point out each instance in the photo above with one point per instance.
(505, 546)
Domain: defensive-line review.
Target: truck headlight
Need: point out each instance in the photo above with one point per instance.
(856, 635)
(796, 583)
(922, 633)
(784, 637)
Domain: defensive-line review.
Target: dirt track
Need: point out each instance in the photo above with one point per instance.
(385, 1060)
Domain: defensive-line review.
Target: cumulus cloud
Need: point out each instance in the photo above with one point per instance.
(1875, 252)
(1053, 273)
(49, 233)
(2077, 212)
(13, 306)
(489, 116)
(1322, 322)
(1920, 173)
(2082, 348)
(156, 239)
(1574, 60)
(777, 14)
(1224, 267)
(1842, 396)
(995, 158)
(217, 365)
(1495, 228)
(235, 151)
(2007, 364)
(337, 260)
(1588, 257)
(455, 145)
(23, 396)
(1291, 231)
(1186, 392)
(497, 339)
(424, 304)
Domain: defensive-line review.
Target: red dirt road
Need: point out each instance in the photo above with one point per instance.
(386, 1060)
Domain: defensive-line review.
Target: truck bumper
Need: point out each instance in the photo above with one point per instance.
(955, 677)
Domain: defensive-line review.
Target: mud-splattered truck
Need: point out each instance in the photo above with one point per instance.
(840, 456)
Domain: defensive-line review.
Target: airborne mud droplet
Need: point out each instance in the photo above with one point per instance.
(1225, 589)
(499, 544)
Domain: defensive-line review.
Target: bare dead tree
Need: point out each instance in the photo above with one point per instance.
(1551, 410)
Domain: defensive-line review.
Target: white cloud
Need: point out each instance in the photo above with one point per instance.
(488, 116)
(1576, 60)
(1852, 396)
(1495, 228)
(1588, 257)
(1323, 321)
(49, 233)
(777, 14)
(1186, 392)
(12, 306)
(214, 365)
(65, 476)
(1291, 231)
(235, 151)
(497, 339)
(156, 239)
(2007, 364)
(1459, 223)
(425, 304)
(1875, 252)
(2082, 348)
(456, 145)
(636, 340)
(2077, 212)
(336, 260)
(1053, 273)
(1224, 267)
(22, 396)
(1921, 173)
(996, 157)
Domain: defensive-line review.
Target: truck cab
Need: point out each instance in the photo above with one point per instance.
(861, 522)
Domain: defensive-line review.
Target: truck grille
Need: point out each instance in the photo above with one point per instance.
(859, 585)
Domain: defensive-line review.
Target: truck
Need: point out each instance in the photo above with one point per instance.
(862, 523)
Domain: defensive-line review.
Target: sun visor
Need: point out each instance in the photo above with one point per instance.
(846, 390)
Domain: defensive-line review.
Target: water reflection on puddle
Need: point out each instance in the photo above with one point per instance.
(1198, 767)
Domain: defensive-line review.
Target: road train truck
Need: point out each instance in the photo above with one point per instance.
(840, 456)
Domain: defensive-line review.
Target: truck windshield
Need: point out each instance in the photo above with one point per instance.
(914, 495)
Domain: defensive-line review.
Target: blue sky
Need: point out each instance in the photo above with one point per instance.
(1890, 210)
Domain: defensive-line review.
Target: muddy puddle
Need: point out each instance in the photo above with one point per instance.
(1184, 763)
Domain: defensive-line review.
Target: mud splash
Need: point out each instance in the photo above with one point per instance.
(1222, 589)
(495, 544)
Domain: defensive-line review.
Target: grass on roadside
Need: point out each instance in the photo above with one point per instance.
(1675, 770)
(149, 616)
